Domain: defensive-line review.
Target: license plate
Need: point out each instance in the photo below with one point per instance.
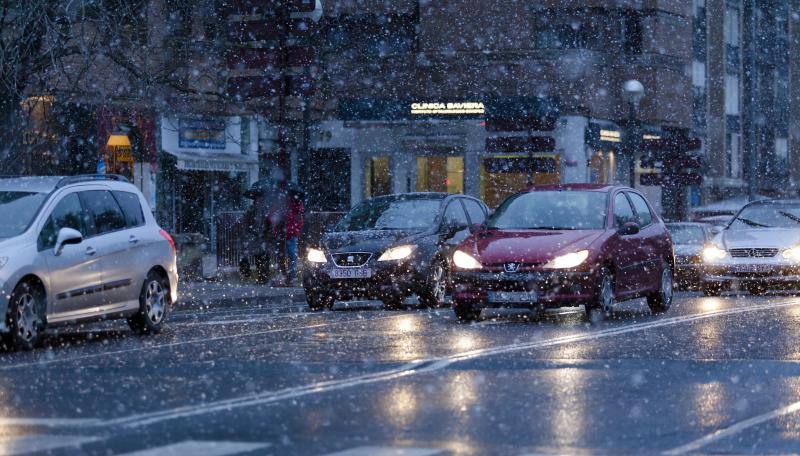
(513, 296)
(753, 268)
(351, 273)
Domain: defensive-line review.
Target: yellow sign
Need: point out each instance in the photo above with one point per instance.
(448, 108)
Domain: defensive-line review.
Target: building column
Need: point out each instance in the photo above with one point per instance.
(475, 145)
(716, 156)
(570, 136)
(356, 177)
(794, 96)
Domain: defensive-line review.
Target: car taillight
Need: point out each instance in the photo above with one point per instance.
(169, 239)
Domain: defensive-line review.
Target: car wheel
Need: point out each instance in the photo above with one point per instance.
(603, 305)
(26, 317)
(435, 288)
(712, 288)
(318, 301)
(153, 305)
(465, 313)
(392, 302)
(661, 300)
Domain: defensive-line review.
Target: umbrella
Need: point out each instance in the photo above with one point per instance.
(261, 187)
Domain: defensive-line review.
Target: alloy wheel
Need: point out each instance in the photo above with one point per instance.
(27, 318)
(666, 287)
(155, 301)
(438, 284)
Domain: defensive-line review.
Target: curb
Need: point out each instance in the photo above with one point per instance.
(258, 301)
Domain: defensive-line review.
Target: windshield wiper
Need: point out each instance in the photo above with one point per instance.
(752, 223)
(790, 216)
(554, 228)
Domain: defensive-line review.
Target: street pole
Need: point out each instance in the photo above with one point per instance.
(749, 86)
(633, 142)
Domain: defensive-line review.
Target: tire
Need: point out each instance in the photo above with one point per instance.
(465, 313)
(154, 304)
(392, 303)
(712, 288)
(435, 287)
(661, 300)
(26, 317)
(318, 301)
(602, 306)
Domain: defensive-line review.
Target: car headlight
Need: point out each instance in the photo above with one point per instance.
(463, 260)
(713, 253)
(316, 256)
(569, 260)
(792, 254)
(401, 252)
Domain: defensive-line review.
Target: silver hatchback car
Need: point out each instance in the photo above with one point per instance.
(80, 248)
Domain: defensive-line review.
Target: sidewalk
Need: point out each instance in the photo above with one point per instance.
(233, 293)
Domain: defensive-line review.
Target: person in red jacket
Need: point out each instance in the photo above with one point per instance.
(294, 228)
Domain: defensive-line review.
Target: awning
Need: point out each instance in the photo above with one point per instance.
(215, 162)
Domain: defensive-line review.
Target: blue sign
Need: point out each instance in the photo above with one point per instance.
(101, 166)
(201, 134)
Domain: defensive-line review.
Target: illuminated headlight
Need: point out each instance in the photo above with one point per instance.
(316, 256)
(713, 253)
(401, 252)
(464, 260)
(792, 254)
(569, 260)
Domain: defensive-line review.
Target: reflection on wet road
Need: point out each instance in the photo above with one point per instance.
(712, 375)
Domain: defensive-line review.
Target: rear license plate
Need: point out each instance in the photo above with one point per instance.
(351, 273)
(744, 268)
(513, 296)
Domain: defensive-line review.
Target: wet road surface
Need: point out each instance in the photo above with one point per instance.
(713, 375)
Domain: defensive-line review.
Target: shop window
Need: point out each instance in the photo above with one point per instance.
(378, 177)
(505, 175)
(601, 167)
(440, 174)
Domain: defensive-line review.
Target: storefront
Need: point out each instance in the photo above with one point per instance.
(403, 146)
(205, 167)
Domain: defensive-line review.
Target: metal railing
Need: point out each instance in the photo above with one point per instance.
(231, 239)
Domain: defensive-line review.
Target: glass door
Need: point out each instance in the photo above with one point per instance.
(440, 174)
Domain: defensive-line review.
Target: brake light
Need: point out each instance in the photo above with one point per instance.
(169, 239)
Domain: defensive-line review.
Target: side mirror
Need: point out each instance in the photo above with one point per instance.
(715, 230)
(449, 230)
(67, 236)
(476, 228)
(629, 229)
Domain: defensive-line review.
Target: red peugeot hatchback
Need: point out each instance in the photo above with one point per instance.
(565, 245)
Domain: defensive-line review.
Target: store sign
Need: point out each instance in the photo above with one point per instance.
(447, 108)
(201, 134)
(610, 135)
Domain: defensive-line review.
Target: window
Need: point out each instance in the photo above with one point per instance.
(734, 164)
(730, 28)
(642, 209)
(698, 74)
(475, 211)
(454, 215)
(68, 213)
(131, 208)
(731, 95)
(104, 210)
(623, 213)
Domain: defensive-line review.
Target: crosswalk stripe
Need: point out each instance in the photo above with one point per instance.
(204, 447)
(24, 444)
(387, 451)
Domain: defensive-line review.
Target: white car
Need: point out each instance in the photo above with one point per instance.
(80, 248)
(758, 249)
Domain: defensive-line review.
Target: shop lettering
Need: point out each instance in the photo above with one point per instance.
(447, 108)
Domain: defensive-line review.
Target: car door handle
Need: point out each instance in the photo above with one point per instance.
(133, 239)
(90, 251)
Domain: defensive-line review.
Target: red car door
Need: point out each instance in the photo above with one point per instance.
(651, 239)
(624, 250)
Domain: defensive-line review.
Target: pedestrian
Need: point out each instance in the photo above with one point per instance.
(294, 227)
(277, 232)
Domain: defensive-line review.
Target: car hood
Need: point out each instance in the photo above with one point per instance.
(764, 237)
(687, 249)
(375, 241)
(498, 247)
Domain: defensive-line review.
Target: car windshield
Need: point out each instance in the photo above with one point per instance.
(552, 210)
(391, 214)
(20, 208)
(781, 215)
(682, 234)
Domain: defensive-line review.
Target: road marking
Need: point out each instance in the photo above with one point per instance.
(206, 448)
(734, 429)
(50, 422)
(414, 368)
(44, 362)
(387, 451)
(35, 443)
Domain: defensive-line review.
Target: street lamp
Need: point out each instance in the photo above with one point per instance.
(633, 92)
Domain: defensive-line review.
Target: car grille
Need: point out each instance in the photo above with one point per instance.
(753, 253)
(351, 260)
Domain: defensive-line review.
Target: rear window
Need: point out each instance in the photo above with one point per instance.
(131, 208)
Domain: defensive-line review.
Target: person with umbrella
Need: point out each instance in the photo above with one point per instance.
(294, 228)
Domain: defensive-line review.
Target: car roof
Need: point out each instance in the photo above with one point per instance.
(46, 184)
(411, 195)
(576, 187)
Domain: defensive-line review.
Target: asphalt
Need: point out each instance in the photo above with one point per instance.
(711, 376)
